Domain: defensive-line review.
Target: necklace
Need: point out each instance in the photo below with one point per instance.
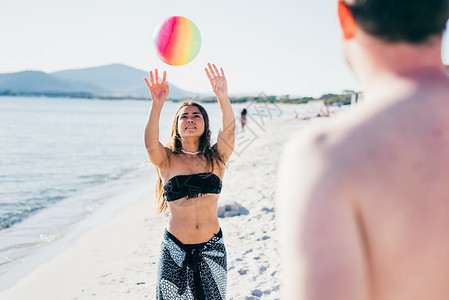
(193, 153)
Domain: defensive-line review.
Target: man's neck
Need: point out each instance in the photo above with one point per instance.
(377, 63)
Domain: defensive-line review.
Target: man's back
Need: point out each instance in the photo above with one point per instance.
(380, 208)
(399, 178)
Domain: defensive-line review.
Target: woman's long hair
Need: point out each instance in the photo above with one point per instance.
(175, 144)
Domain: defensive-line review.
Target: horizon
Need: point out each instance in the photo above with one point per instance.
(201, 94)
(290, 47)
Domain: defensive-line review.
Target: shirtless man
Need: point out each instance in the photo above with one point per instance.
(364, 200)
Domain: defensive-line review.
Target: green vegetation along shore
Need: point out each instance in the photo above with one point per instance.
(344, 98)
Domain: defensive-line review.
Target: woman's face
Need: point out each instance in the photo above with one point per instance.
(190, 122)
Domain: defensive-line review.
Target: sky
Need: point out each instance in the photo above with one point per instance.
(284, 47)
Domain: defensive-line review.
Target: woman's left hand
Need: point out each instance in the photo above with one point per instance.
(218, 81)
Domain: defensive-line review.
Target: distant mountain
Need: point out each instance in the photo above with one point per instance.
(33, 81)
(114, 80)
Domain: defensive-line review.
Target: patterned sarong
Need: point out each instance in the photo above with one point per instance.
(192, 271)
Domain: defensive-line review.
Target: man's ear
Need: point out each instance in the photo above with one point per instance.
(347, 21)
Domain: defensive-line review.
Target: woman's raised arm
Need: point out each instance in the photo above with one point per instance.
(159, 92)
(226, 136)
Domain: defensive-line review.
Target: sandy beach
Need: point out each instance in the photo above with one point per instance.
(118, 259)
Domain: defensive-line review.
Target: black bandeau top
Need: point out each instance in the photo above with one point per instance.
(191, 186)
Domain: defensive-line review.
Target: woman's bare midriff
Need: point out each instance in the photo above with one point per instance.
(194, 221)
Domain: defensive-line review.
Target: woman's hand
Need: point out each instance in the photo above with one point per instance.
(218, 81)
(158, 91)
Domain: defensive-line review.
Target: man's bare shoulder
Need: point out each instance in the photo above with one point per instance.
(329, 141)
(375, 138)
(310, 166)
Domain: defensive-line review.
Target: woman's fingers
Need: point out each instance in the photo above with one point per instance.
(211, 70)
(216, 70)
(153, 81)
(148, 84)
(151, 78)
(211, 79)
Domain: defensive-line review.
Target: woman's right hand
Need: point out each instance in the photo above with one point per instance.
(158, 91)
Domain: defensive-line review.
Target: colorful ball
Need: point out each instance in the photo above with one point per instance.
(177, 41)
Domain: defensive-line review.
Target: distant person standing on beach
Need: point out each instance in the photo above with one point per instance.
(193, 256)
(324, 111)
(364, 198)
(243, 117)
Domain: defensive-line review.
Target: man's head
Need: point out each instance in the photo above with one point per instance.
(410, 21)
(392, 36)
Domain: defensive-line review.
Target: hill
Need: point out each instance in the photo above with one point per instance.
(114, 80)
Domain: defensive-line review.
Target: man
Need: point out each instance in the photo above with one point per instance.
(364, 199)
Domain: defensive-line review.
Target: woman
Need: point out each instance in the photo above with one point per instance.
(193, 256)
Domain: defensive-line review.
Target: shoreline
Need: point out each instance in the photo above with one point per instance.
(117, 259)
(248, 100)
(67, 221)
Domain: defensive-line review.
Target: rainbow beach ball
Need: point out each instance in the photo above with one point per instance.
(177, 41)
